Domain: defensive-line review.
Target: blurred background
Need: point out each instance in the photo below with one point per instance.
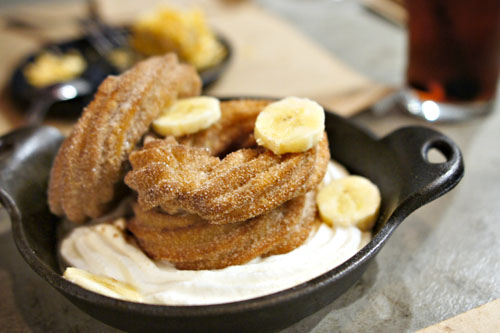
(325, 21)
(349, 55)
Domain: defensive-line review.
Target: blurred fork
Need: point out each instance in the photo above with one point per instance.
(102, 37)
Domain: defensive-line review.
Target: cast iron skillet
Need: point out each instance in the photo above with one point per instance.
(397, 163)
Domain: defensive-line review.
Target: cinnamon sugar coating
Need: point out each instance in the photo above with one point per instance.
(244, 184)
(90, 164)
(233, 131)
(191, 243)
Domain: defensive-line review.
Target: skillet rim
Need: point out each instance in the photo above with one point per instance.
(287, 295)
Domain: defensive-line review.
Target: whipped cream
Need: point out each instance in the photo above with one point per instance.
(334, 170)
(103, 249)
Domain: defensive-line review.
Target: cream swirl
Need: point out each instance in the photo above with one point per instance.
(103, 250)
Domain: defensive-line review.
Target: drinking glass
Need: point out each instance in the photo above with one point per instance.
(453, 58)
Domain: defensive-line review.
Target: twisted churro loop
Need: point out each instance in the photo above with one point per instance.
(90, 164)
(191, 243)
(244, 184)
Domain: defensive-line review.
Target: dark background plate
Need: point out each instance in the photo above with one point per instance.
(23, 93)
(397, 163)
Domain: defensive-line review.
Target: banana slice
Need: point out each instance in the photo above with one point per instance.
(102, 284)
(349, 201)
(291, 125)
(188, 116)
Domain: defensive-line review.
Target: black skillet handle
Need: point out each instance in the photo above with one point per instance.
(26, 156)
(424, 181)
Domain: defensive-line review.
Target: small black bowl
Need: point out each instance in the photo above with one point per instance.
(397, 163)
(24, 94)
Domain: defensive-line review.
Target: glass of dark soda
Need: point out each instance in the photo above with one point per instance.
(453, 58)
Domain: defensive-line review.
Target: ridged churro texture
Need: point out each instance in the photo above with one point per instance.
(91, 163)
(215, 199)
(191, 243)
(246, 183)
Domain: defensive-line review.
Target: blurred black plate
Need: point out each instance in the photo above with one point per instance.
(23, 93)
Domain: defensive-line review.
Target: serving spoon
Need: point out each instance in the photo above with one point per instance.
(44, 98)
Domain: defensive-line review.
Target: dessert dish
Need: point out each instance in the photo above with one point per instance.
(84, 62)
(396, 163)
(195, 205)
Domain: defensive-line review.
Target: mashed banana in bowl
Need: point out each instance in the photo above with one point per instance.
(184, 32)
(50, 68)
(167, 29)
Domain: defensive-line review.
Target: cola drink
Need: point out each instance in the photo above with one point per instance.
(453, 50)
